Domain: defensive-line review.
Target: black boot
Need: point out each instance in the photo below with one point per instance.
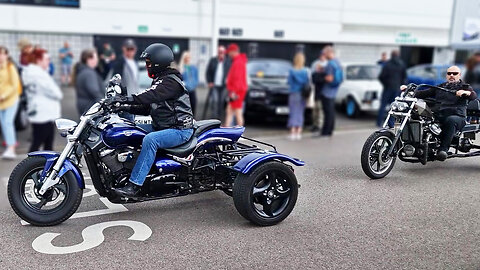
(129, 190)
(442, 155)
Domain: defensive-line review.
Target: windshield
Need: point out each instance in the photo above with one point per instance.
(268, 68)
(362, 72)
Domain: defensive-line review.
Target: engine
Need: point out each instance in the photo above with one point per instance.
(119, 161)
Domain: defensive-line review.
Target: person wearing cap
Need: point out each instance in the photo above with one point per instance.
(168, 103)
(127, 67)
(236, 85)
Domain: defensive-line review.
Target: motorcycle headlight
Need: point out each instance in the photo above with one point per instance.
(65, 125)
(399, 106)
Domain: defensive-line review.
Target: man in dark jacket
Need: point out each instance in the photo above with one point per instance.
(393, 75)
(217, 71)
(452, 109)
(318, 79)
(88, 84)
(168, 103)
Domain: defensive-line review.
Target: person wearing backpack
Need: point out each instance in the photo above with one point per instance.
(333, 79)
(299, 86)
(393, 75)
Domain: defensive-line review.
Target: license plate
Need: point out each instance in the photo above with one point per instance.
(282, 110)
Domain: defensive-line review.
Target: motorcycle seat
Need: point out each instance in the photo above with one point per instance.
(473, 108)
(183, 150)
(204, 125)
(187, 148)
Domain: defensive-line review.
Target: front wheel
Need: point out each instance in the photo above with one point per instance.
(376, 163)
(267, 195)
(51, 208)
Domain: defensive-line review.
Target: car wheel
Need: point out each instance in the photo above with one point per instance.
(351, 108)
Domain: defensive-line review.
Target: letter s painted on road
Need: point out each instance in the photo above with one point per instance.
(92, 237)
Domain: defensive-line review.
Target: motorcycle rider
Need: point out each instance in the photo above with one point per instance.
(168, 104)
(452, 107)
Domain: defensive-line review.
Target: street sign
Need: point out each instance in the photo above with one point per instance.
(405, 38)
(143, 28)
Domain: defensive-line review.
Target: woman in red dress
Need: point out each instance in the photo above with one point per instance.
(236, 85)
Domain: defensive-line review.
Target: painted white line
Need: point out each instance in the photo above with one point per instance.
(91, 191)
(4, 180)
(111, 209)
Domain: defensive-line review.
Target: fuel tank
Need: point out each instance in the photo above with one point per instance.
(120, 135)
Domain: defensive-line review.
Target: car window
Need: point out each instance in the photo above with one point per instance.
(362, 72)
(430, 72)
(268, 68)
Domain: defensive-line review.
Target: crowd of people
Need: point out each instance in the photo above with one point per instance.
(226, 78)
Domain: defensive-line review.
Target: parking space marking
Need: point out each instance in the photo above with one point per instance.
(4, 180)
(112, 208)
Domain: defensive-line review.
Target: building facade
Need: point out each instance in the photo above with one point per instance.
(360, 30)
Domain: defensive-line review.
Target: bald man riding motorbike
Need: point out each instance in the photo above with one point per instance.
(452, 107)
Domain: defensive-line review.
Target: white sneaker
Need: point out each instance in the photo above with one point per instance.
(298, 137)
(292, 137)
(9, 154)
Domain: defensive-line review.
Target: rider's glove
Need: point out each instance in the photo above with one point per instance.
(118, 100)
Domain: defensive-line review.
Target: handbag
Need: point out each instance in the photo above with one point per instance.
(306, 90)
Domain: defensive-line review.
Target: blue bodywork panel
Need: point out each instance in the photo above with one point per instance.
(166, 165)
(232, 134)
(251, 160)
(51, 157)
(121, 135)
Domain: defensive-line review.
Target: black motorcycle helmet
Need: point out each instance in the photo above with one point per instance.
(157, 57)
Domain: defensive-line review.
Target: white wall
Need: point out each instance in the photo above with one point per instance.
(345, 21)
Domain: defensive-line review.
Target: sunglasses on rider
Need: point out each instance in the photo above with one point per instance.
(452, 73)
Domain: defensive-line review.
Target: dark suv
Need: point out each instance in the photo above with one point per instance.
(267, 95)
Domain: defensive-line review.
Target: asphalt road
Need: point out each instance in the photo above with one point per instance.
(419, 217)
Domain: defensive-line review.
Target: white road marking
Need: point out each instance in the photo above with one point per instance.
(91, 191)
(111, 209)
(4, 180)
(92, 237)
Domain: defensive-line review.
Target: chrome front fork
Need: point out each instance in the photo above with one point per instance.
(52, 178)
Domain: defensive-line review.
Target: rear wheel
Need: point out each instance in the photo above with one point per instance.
(267, 195)
(376, 163)
(54, 207)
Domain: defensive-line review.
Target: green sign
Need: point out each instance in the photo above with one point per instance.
(405, 38)
(176, 48)
(143, 28)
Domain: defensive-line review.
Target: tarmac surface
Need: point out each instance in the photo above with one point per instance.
(418, 217)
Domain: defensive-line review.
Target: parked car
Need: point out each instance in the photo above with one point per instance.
(360, 90)
(429, 74)
(267, 95)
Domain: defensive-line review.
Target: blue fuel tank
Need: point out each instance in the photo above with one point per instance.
(123, 134)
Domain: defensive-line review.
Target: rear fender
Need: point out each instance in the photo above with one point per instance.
(51, 157)
(250, 161)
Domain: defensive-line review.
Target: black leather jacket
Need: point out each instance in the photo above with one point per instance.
(167, 101)
(449, 103)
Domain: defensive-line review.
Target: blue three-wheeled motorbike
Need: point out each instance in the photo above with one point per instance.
(46, 188)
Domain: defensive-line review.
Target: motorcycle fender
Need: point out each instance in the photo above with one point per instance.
(51, 157)
(384, 130)
(250, 161)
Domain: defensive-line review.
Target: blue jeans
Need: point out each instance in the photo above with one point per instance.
(155, 140)
(7, 118)
(388, 96)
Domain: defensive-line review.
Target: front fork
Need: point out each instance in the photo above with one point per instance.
(406, 117)
(52, 178)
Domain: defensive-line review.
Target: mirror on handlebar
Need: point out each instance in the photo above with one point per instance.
(114, 87)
